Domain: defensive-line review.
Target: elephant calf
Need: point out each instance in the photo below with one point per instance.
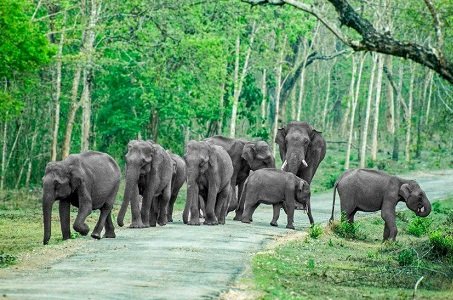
(371, 190)
(89, 181)
(276, 187)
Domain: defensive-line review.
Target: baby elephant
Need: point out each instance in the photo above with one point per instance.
(276, 187)
(371, 190)
(89, 181)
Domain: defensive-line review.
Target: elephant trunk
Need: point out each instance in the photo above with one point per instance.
(47, 203)
(130, 192)
(192, 197)
(295, 159)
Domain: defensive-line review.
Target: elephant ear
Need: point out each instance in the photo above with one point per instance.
(314, 133)
(173, 165)
(248, 152)
(405, 191)
(75, 173)
(280, 140)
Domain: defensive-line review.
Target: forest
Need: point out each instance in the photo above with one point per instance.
(93, 74)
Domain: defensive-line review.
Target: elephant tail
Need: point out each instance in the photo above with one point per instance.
(333, 202)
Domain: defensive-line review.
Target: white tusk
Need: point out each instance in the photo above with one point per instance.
(305, 163)
(284, 164)
(422, 209)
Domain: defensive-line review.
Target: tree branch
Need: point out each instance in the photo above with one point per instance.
(372, 39)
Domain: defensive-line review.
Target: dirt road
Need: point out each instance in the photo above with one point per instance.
(172, 262)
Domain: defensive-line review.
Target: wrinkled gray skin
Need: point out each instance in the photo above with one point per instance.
(302, 149)
(89, 181)
(276, 187)
(209, 171)
(372, 190)
(246, 156)
(149, 173)
(177, 180)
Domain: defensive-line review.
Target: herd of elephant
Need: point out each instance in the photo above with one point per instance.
(222, 175)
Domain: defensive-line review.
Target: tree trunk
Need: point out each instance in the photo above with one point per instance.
(409, 115)
(53, 155)
(354, 99)
(374, 144)
(72, 112)
(326, 100)
(86, 113)
(238, 81)
(221, 107)
(396, 144)
(300, 98)
(278, 89)
(263, 100)
(2, 174)
(367, 115)
(390, 117)
(30, 161)
(429, 99)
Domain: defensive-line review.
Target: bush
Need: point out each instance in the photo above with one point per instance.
(418, 226)
(7, 259)
(406, 257)
(442, 242)
(347, 230)
(315, 231)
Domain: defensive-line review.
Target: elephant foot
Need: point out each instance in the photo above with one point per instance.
(290, 226)
(137, 224)
(246, 220)
(211, 222)
(96, 236)
(162, 221)
(195, 223)
(109, 235)
(82, 229)
(274, 224)
(237, 217)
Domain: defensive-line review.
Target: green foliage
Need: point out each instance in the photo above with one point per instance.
(7, 259)
(346, 229)
(418, 226)
(406, 257)
(442, 242)
(23, 47)
(316, 231)
(334, 267)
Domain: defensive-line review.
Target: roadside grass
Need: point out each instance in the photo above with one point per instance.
(332, 267)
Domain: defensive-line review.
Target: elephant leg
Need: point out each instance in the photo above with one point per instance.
(195, 211)
(148, 200)
(105, 210)
(109, 227)
(249, 209)
(65, 222)
(240, 208)
(290, 206)
(153, 211)
(171, 205)
(210, 218)
(163, 205)
(276, 214)
(202, 207)
(386, 232)
(79, 223)
(221, 209)
(388, 215)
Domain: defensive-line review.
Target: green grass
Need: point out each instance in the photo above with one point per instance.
(334, 267)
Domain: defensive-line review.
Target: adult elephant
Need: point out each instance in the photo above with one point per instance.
(209, 171)
(149, 173)
(302, 149)
(177, 180)
(245, 156)
(89, 181)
